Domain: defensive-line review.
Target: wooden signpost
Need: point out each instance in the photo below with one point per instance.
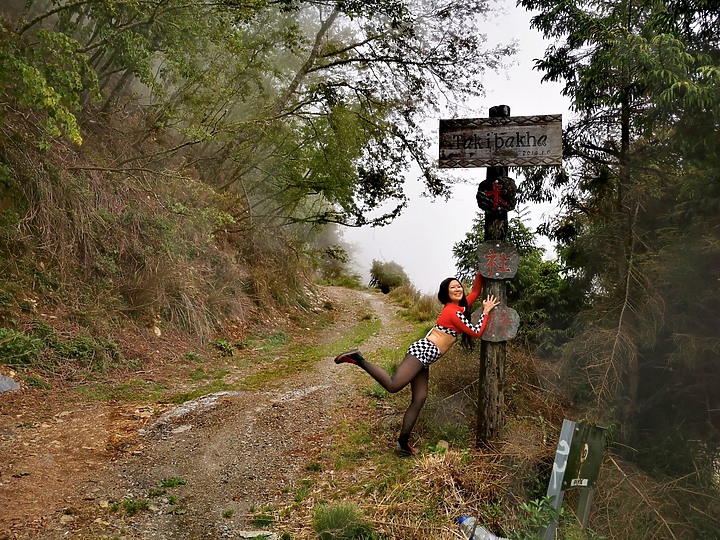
(501, 140)
(496, 143)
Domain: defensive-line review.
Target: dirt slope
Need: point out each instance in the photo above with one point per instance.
(236, 452)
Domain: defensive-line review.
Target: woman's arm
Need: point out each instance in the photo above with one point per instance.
(464, 324)
(475, 291)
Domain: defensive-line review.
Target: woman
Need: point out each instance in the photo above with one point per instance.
(453, 321)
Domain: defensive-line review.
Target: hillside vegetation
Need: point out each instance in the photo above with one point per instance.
(183, 165)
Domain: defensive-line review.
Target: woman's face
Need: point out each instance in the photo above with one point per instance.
(455, 291)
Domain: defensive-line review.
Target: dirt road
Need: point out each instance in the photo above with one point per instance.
(206, 469)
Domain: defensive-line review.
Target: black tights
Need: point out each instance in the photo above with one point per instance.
(411, 371)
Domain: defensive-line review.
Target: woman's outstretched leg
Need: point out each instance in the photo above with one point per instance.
(411, 371)
(419, 388)
(406, 372)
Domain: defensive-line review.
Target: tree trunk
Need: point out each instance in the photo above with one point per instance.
(628, 210)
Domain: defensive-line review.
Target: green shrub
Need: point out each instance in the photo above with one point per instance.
(7, 299)
(44, 349)
(37, 382)
(18, 348)
(93, 353)
(535, 515)
(172, 481)
(192, 356)
(262, 520)
(349, 281)
(387, 276)
(133, 506)
(224, 347)
(340, 522)
(424, 309)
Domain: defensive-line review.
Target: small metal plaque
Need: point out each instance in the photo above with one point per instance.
(584, 457)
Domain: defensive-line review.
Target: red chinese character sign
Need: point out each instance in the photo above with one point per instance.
(497, 261)
(502, 325)
(497, 195)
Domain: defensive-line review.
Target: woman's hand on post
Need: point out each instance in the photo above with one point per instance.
(490, 303)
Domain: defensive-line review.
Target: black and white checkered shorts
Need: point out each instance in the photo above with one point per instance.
(425, 351)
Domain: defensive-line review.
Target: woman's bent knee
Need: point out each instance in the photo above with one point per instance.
(419, 401)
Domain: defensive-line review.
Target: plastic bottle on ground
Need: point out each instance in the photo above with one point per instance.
(472, 531)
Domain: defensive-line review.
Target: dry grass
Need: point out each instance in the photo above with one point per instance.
(149, 242)
(412, 498)
(425, 309)
(422, 498)
(649, 508)
(438, 489)
(402, 498)
(405, 296)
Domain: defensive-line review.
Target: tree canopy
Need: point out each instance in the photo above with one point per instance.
(308, 109)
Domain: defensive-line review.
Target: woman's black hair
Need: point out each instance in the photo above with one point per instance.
(444, 292)
(444, 298)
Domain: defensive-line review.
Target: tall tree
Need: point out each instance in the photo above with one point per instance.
(641, 175)
(310, 109)
(353, 91)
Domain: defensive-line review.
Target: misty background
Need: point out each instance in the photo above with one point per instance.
(421, 238)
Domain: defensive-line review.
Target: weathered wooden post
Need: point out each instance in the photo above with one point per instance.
(491, 392)
(496, 143)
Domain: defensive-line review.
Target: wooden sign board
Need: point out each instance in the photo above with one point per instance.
(507, 141)
(497, 260)
(502, 325)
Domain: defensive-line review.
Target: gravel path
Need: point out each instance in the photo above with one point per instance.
(236, 452)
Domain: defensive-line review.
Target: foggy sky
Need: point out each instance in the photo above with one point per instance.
(421, 239)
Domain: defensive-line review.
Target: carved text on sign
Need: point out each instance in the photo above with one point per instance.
(502, 325)
(510, 140)
(497, 260)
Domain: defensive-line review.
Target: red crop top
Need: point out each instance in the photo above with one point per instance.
(454, 321)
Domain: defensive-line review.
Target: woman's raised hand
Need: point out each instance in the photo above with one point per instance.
(490, 303)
